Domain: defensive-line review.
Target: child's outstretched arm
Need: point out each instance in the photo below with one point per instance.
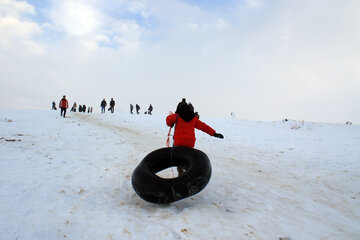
(205, 128)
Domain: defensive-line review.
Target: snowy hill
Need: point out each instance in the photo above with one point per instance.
(71, 179)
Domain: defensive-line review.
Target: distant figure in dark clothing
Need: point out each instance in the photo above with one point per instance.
(63, 105)
(112, 105)
(91, 109)
(150, 109)
(103, 105)
(137, 109)
(131, 108)
(54, 106)
(84, 108)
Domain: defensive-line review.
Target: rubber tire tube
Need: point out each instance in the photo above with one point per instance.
(155, 189)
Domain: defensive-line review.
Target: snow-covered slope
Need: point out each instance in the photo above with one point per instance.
(71, 179)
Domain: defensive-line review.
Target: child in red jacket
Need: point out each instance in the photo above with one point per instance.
(186, 121)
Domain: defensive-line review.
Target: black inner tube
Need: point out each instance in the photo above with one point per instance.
(155, 189)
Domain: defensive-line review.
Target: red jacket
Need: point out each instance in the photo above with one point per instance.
(63, 103)
(185, 131)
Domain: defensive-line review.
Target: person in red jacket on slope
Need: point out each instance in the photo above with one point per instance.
(185, 121)
(63, 105)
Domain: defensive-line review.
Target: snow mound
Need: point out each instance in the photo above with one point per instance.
(70, 178)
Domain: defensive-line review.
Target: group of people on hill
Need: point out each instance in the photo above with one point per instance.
(103, 105)
(137, 107)
(82, 108)
(64, 105)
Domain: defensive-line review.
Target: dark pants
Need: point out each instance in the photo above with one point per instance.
(102, 109)
(112, 109)
(63, 110)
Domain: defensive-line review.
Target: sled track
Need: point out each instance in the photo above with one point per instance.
(138, 139)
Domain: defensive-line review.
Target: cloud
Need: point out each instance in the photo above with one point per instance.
(15, 9)
(92, 25)
(138, 7)
(75, 18)
(92, 42)
(16, 28)
(254, 3)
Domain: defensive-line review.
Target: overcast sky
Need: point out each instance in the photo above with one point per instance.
(261, 59)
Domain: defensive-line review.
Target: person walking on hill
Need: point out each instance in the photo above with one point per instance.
(150, 109)
(137, 109)
(63, 105)
(131, 108)
(112, 105)
(103, 105)
(54, 105)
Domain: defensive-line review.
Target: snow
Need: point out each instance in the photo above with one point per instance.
(70, 178)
